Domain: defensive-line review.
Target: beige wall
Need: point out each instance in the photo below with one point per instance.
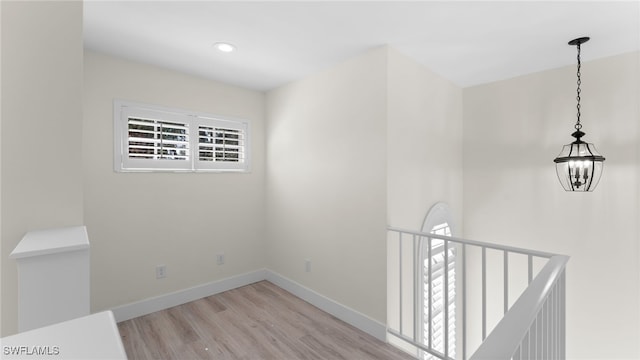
(513, 130)
(182, 220)
(41, 161)
(326, 182)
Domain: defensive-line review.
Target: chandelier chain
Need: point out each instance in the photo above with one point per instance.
(578, 125)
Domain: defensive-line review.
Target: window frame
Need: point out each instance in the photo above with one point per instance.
(124, 110)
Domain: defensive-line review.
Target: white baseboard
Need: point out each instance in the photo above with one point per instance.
(157, 303)
(342, 312)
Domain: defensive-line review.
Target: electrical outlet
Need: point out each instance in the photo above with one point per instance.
(220, 259)
(307, 265)
(161, 271)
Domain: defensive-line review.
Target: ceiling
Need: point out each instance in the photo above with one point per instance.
(467, 42)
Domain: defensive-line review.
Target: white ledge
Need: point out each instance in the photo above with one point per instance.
(91, 337)
(52, 241)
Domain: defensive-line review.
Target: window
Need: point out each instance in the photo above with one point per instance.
(150, 138)
(438, 304)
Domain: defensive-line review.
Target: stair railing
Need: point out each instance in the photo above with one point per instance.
(533, 327)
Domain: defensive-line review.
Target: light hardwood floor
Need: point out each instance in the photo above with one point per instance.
(258, 321)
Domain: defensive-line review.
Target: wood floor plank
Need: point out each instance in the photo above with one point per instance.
(131, 339)
(258, 321)
(214, 331)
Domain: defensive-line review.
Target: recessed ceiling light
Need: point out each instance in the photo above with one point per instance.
(224, 47)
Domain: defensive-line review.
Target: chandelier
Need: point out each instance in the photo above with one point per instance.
(579, 165)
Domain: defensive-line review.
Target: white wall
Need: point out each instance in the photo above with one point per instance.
(424, 143)
(350, 150)
(139, 220)
(424, 162)
(1, 253)
(326, 182)
(513, 130)
(41, 128)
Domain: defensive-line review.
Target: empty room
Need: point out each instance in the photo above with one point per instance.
(320, 179)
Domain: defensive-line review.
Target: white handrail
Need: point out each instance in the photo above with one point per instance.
(475, 243)
(532, 328)
(507, 336)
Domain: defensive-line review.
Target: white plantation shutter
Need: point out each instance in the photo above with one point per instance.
(153, 139)
(222, 145)
(437, 316)
(156, 139)
(149, 138)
